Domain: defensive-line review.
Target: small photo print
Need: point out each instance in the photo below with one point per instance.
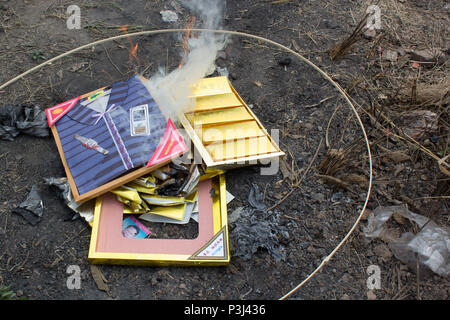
(139, 120)
(133, 229)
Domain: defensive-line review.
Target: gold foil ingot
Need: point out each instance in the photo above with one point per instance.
(240, 148)
(221, 116)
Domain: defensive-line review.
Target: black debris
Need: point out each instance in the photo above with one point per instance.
(256, 198)
(32, 208)
(29, 216)
(26, 119)
(254, 230)
(285, 61)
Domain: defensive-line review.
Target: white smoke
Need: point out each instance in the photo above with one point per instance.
(171, 91)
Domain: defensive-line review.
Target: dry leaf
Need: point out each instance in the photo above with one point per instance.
(395, 156)
(417, 123)
(99, 278)
(355, 179)
(383, 251)
(433, 55)
(398, 156)
(398, 218)
(428, 94)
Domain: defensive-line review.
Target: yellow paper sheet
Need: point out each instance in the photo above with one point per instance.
(158, 200)
(145, 206)
(148, 181)
(136, 208)
(124, 201)
(128, 210)
(219, 116)
(233, 131)
(211, 173)
(173, 212)
(128, 193)
(139, 188)
(192, 197)
(211, 86)
(240, 148)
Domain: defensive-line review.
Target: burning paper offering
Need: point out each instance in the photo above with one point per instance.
(223, 128)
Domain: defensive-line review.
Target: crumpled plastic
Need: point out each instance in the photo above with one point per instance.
(84, 210)
(27, 119)
(255, 230)
(431, 243)
(32, 208)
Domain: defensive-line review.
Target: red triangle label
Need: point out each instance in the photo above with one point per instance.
(57, 112)
(171, 146)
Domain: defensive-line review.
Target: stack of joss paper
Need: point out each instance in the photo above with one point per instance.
(168, 194)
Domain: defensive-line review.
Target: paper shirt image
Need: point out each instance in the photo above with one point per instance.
(112, 132)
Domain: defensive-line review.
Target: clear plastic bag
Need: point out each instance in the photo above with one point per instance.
(431, 244)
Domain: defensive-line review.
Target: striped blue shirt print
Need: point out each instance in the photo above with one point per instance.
(91, 169)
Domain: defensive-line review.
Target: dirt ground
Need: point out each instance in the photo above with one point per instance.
(287, 95)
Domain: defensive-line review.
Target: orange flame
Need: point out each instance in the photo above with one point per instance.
(124, 29)
(185, 45)
(132, 52)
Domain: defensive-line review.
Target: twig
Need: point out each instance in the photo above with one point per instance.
(342, 48)
(319, 103)
(70, 239)
(310, 36)
(432, 197)
(336, 181)
(328, 126)
(110, 60)
(401, 292)
(146, 68)
(300, 181)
